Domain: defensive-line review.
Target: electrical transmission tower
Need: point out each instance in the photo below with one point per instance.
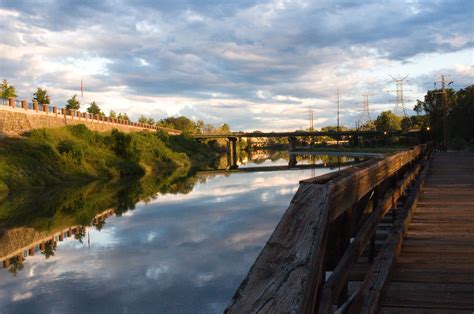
(365, 115)
(400, 109)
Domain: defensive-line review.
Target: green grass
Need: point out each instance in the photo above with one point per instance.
(75, 154)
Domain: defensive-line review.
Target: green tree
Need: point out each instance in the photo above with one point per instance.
(49, 249)
(150, 121)
(200, 126)
(7, 90)
(224, 129)
(15, 266)
(112, 114)
(73, 103)
(180, 123)
(41, 96)
(432, 106)
(461, 119)
(94, 108)
(387, 121)
(123, 116)
(142, 119)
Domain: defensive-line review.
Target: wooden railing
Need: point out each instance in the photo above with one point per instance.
(331, 220)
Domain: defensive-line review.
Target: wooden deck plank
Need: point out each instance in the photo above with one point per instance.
(435, 270)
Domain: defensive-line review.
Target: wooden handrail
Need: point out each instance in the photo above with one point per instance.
(338, 279)
(289, 273)
(367, 297)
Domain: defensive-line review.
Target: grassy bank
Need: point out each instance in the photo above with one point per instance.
(64, 155)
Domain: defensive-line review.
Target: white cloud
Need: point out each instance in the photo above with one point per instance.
(254, 66)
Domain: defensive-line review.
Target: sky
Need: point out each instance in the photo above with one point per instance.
(256, 65)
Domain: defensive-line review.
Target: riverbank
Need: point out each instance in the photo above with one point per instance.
(47, 157)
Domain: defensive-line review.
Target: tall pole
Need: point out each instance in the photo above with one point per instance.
(337, 138)
(444, 103)
(338, 110)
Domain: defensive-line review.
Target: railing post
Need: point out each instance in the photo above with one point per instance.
(378, 193)
(24, 104)
(45, 108)
(55, 110)
(35, 106)
(11, 101)
(338, 240)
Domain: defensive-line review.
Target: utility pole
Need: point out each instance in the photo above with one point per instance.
(444, 104)
(311, 126)
(337, 138)
(311, 119)
(338, 110)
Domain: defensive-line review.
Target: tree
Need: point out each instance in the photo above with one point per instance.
(41, 96)
(112, 114)
(432, 106)
(7, 90)
(16, 265)
(123, 116)
(142, 119)
(461, 119)
(73, 103)
(94, 108)
(180, 123)
(387, 121)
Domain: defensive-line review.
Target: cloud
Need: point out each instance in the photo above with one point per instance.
(230, 61)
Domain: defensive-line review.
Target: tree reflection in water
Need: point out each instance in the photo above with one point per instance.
(40, 214)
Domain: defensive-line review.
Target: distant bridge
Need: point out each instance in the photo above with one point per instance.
(292, 138)
(334, 134)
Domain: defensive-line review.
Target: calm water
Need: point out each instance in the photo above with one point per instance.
(185, 250)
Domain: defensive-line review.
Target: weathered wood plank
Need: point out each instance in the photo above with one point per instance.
(435, 272)
(420, 310)
(351, 188)
(440, 274)
(430, 295)
(281, 275)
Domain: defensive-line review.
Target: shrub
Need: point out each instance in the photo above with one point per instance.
(71, 150)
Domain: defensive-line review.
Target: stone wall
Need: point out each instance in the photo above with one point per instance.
(15, 121)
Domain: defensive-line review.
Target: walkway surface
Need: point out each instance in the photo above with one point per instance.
(435, 270)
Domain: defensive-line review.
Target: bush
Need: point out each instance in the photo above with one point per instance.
(71, 150)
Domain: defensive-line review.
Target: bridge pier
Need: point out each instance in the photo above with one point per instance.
(291, 143)
(232, 152)
(292, 147)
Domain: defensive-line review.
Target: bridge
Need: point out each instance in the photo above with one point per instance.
(392, 235)
(354, 136)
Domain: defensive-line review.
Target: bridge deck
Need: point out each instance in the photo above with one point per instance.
(435, 270)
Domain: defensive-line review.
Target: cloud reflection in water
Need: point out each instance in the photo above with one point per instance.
(176, 254)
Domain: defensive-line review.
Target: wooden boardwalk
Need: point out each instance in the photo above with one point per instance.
(435, 270)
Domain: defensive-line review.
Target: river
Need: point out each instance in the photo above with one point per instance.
(181, 246)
